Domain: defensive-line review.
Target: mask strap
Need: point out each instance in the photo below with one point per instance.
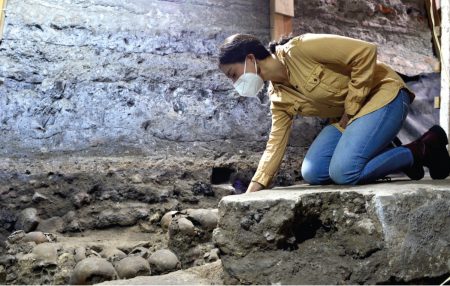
(245, 65)
(256, 67)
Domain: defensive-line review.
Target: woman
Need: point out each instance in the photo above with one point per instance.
(334, 77)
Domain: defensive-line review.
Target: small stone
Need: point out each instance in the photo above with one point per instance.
(164, 261)
(38, 197)
(28, 220)
(207, 218)
(136, 179)
(132, 266)
(214, 255)
(155, 217)
(81, 199)
(269, 236)
(92, 270)
(36, 237)
(7, 260)
(201, 188)
(112, 254)
(365, 225)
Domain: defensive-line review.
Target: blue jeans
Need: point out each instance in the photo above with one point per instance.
(361, 154)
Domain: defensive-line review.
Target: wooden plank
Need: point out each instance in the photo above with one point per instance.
(280, 24)
(444, 112)
(284, 7)
(2, 17)
(434, 21)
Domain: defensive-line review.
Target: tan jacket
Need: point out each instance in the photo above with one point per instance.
(329, 75)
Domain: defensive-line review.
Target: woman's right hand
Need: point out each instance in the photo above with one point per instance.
(254, 187)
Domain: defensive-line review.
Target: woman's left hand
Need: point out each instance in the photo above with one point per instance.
(344, 120)
(254, 187)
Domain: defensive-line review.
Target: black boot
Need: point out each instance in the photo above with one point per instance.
(430, 150)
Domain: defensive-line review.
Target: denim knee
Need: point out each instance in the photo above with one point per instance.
(342, 174)
(313, 174)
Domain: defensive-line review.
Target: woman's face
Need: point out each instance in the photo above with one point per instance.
(234, 71)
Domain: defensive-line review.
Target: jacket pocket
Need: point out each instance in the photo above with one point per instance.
(314, 80)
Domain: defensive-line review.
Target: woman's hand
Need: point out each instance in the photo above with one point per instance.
(344, 120)
(254, 187)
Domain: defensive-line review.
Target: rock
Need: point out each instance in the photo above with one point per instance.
(204, 189)
(112, 254)
(136, 179)
(38, 197)
(35, 236)
(206, 218)
(2, 274)
(66, 263)
(53, 224)
(167, 219)
(164, 261)
(92, 270)
(208, 274)
(372, 234)
(27, 220)
(156, 217)
(16, 236)
(121, 216)
(223, 190)
(132, 266)
(7, 260)
(80, 254)
(212, 256)
(81, 199)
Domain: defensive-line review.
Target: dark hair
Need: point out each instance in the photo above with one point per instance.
(235, 48)
(283, 40)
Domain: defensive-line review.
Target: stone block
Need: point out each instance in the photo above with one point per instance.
(383, 233)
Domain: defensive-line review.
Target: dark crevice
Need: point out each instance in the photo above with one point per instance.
(221, 175)
(301, 228)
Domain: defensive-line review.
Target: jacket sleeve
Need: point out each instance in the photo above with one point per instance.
(276, 146)
(358, 57)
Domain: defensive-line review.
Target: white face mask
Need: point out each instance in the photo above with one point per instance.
(249, 84)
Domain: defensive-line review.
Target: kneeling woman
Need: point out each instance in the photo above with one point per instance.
(339, 78)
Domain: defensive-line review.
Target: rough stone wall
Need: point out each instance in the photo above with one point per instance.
(399, 27)
(109, 77)
(114, 76)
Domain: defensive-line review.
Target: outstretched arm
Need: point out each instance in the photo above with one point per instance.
(275, 149)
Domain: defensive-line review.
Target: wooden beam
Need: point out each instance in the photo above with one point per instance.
(281, 13)
(444, 112)
(2, 17)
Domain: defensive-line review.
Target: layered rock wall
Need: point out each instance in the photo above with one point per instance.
(399, 28)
